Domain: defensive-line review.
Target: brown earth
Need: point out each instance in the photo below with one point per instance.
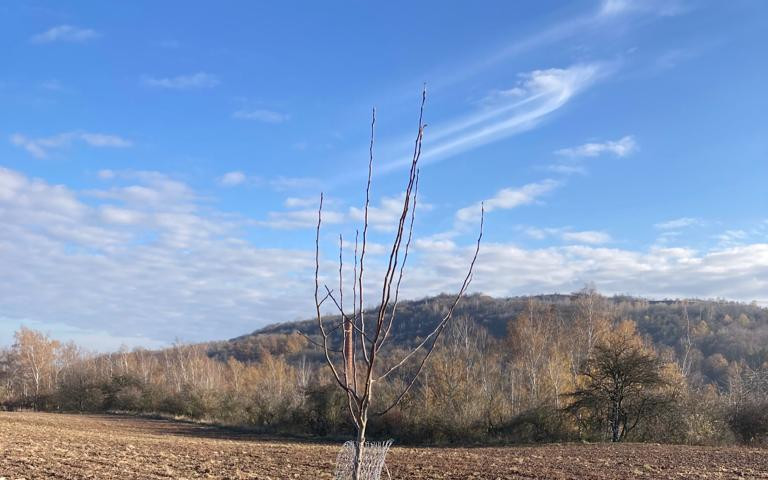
(38, 445)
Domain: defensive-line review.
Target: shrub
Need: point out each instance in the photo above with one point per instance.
(749, 422)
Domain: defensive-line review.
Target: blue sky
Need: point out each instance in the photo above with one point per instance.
(160, 164)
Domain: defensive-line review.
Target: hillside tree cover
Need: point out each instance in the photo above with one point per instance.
(482, 385)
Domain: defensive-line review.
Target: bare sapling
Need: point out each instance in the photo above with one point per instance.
(356, 364)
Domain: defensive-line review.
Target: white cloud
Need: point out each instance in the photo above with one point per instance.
(102, 140)
(149, 190)
(150, 259)
(40, 147)
(621, 148)
(182, 82)
(231, 179)
(261, 115)
(435, 244)
(122, 216)
(732, 237)
(508, 198)
(541, 233)
(295, 202)
(566, 234)
(304, 218)
(382, 216)
(677, 223)
(156, 264)
(739, 273)
(65, 33)
(386, 215)
(590, 237)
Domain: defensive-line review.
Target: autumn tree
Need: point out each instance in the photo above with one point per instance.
(621, 380)
(35, 353)
(461, 389)
(532, 337)
(590, 322)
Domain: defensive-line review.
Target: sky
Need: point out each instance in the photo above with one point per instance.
(161, 162)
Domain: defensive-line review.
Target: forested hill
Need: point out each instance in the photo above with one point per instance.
(721, 332)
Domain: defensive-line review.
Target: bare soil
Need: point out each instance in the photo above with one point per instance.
(39, 445)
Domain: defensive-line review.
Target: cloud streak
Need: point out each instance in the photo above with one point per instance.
(41, 147)
(620, 148)
(191, 81)
(261, 115)
(678, 223)
(65, 33)
(508, 198)
(504, 113)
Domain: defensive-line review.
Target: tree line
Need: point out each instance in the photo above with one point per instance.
(583, 367)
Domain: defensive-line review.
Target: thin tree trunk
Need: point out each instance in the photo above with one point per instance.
(359, 450)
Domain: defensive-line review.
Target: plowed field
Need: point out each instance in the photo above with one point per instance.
(36, 446)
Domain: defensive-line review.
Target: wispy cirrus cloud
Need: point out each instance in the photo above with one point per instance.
(621, 148)
(507, 112)
(664, 8)
(678, 223)
(261, 115)
(508, 198)
(41, 147)
(65, 33)
(567, 168)
(182, 82)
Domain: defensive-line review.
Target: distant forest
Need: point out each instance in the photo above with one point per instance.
(725, 336)
(526, 369)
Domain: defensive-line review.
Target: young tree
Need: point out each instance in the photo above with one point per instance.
(532, 337)
(622, 378)
(591, 320)
(36, 354)
(366, 333)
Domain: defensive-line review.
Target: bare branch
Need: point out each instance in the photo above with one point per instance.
(440, 326)
(365, 235)
(354, 309)
(343, 317)
(317, 302)
(396, 245)
(402, 265)
(317, 344)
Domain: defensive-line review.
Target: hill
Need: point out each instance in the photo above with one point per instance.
(721, 331)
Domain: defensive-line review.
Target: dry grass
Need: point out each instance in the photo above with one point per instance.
(36, 446)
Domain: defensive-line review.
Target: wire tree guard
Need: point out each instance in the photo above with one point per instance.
(371, 465)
